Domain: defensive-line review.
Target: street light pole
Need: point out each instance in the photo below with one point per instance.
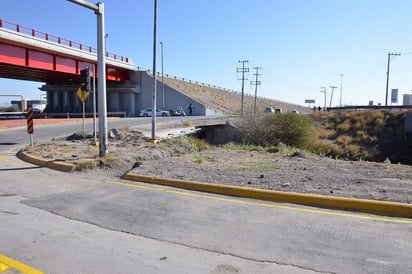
(154, 74)
(163, 84)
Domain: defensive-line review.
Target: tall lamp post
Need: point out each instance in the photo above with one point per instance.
(163, 84)
(154, 74)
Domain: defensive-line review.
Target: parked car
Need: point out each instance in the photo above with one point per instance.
(148, 112)
(177, 112)
(269, 110)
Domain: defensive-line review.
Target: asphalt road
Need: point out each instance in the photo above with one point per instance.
(87, 222)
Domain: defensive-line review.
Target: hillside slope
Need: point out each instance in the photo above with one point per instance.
(227, 102)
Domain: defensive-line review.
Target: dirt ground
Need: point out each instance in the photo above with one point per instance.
(130, 151)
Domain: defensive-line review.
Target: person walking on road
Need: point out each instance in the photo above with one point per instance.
(190, 108)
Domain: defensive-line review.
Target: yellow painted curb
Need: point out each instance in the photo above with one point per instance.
(7, 263)
(391, 209)
(65, 167)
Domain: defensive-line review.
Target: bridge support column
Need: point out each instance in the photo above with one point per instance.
(55, 103)
(65, 101)
(113, 101)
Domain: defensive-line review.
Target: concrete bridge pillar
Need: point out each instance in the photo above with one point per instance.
(114, 98)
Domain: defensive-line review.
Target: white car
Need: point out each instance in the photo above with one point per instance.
(148, 112)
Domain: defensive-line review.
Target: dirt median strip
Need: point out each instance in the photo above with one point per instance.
(383, 208)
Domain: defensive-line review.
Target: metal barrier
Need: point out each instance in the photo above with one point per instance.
(69, 115)
(58, 40)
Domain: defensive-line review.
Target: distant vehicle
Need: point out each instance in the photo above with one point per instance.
(269, 110)
(177, 112)
(148, 112)
(278, 110)
(295, 111)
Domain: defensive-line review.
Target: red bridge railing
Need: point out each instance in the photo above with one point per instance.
(58, 40)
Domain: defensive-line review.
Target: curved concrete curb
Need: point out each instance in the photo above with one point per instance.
(41, 162)
(391, 209)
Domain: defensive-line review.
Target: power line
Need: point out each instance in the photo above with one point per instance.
(243, 69)
(331, 95)
(387, 75)
(256, 83)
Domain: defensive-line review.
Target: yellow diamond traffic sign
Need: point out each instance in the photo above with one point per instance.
(82, 94)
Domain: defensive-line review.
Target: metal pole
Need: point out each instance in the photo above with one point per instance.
(101, 65)
(94, 105)
(154, 74)
(163, 84)
(84, 117)
(103, 139)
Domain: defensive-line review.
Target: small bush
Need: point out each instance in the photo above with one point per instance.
(293, 130)
(269, 130)
(195, 143)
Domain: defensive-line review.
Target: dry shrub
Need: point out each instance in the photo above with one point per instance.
(324, 133)
(344, 140)
(188, 123)
(344, 127)
(326, 149)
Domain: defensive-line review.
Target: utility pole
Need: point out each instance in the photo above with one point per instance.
(256, 83)
(340, 100)
(243, 69)
(331, 95)
(324, 91)
(387, 75)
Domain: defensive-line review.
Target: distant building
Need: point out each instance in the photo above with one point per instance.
(407, 99)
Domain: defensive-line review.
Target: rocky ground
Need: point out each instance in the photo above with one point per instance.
(131, 151)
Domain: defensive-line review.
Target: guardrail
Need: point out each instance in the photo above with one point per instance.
(400, 107)
(12, 115)
(57, 40)
(66, 115)
(69, 115)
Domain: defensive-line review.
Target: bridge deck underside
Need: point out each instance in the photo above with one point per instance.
(23, 63)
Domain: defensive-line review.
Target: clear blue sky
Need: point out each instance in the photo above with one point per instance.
(301, 45)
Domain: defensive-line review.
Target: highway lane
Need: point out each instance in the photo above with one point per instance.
(88, 222)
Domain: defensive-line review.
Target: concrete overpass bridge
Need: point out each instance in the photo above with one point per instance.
(29, 54)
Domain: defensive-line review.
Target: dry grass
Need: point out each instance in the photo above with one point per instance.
(227, 102)
(357, 134)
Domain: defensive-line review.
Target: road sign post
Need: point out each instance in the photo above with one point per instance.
(83, 94)
(30, 126)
